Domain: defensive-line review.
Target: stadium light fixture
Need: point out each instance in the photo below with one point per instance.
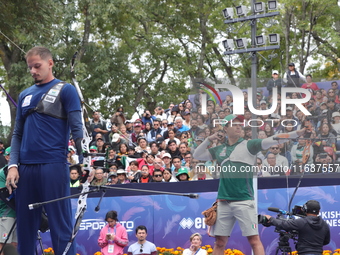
(260, 40)
(241, 42)
(228, 44)
(259, 7)
(228, 13)
(241, 10)
(272, 5)
(274, 38)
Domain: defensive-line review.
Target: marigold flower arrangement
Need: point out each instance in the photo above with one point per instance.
(208, 248)
(325, 252)
(50, 251)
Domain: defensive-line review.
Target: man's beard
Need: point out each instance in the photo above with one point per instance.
(37, 80)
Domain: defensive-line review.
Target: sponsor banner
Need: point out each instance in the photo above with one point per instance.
(172, 219)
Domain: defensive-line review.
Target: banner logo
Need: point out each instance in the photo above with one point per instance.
(186, 223)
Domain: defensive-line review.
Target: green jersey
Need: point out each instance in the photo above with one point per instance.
(237, 164)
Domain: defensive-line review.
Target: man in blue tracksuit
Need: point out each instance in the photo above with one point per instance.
(46, 112)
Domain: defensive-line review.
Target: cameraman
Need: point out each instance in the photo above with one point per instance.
(147, 117)
(313, 231)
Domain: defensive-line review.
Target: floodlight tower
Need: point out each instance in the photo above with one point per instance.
(257, 10)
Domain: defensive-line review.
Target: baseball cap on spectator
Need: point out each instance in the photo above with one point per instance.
(182, 170)
(121, 171)
(115, 137)
(127, 121)
(263, 102)
(138, 121)
(291, 64)
(329, 150)
(259, 94)
(323, 103)
(194, 110)
(289, 109)
(186, 113)
(99, 138)
(93, 148)
(199, 139)
(71, 148)
(137, 125)
(1, 142)
(166, 155)
(170, 124)
(335, 114)
(275, 72)
(159, 140)
(7, 151)
(112, 174)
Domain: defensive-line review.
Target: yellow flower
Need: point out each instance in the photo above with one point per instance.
(210, 250)
(208, 245)
(203, 247)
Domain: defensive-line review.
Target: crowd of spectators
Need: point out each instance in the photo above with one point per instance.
(158, 147)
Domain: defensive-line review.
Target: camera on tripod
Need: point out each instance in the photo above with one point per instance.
(297, 211)
(284, 236)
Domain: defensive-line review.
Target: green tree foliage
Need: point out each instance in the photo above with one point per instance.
(141, 54)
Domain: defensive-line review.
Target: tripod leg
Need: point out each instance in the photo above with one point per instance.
(41, 244)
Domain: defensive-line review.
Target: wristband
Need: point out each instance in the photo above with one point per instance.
(13, 165)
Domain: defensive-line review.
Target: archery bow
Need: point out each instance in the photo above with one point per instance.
(86, 160)
(8, 96)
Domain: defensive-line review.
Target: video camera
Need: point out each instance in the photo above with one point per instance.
(297, 211)
(284, 236)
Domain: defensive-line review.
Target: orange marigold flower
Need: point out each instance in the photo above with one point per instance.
(210, 250)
